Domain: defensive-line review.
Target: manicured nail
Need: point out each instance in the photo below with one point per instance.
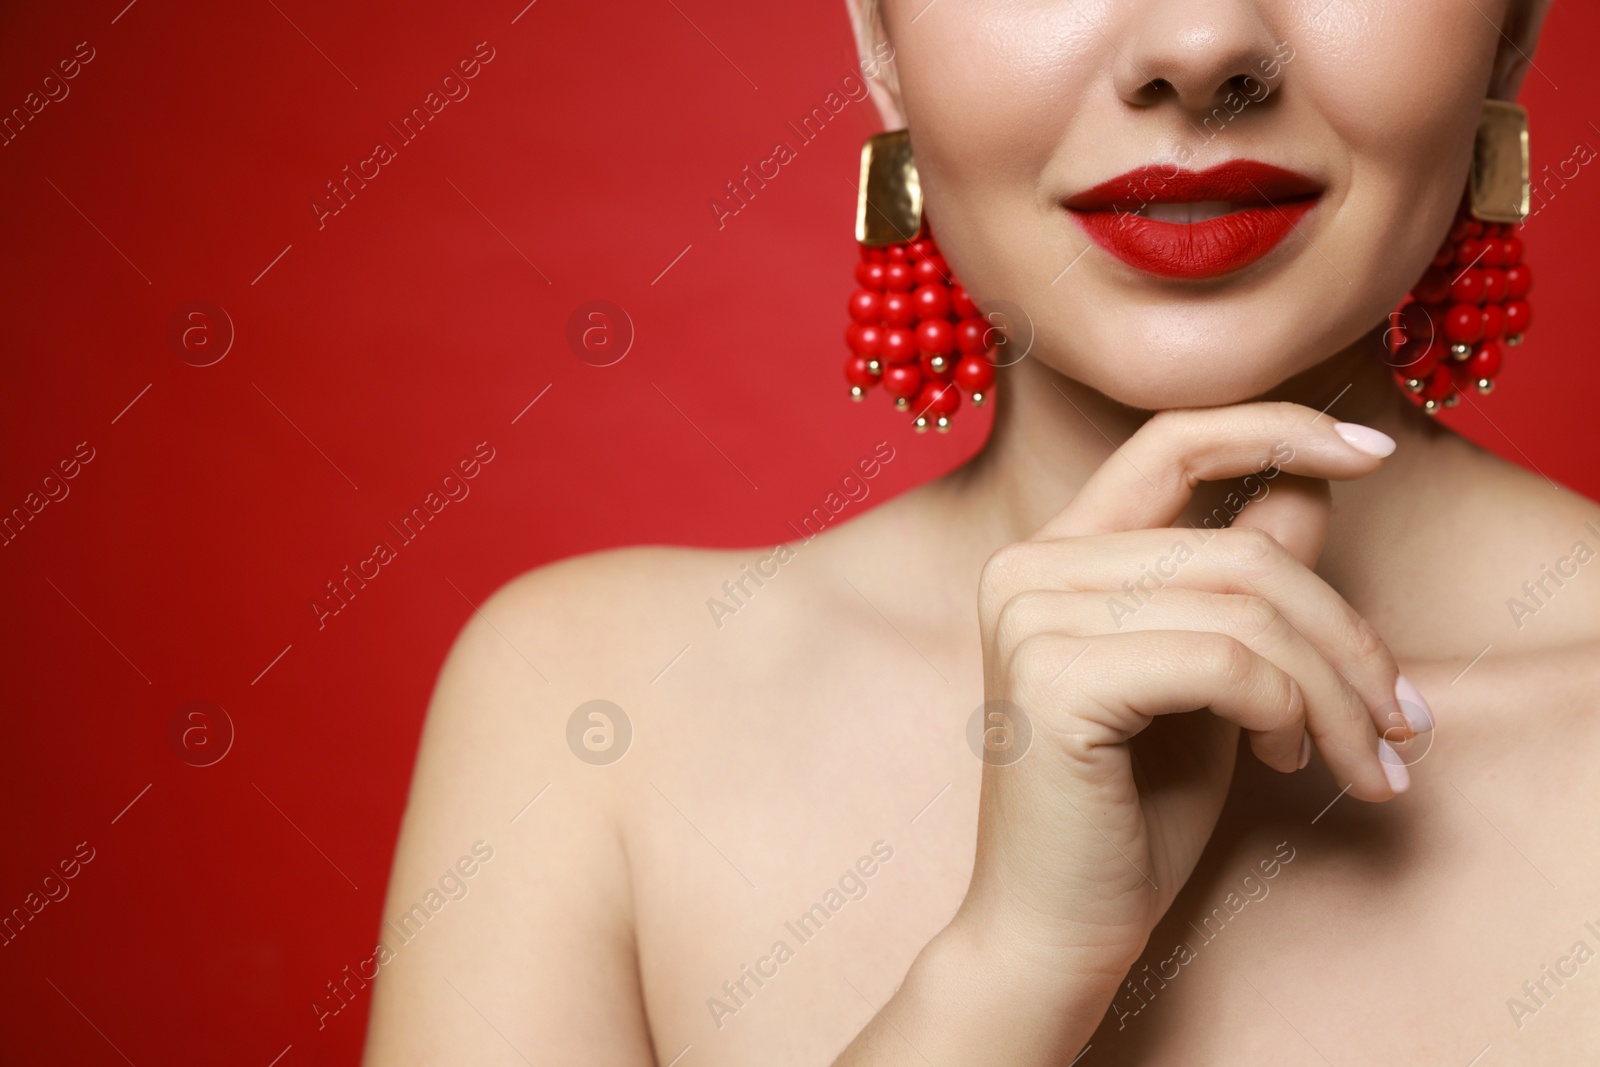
(1305, 751)
(1394, 768)
(1412, 705)
(1365, 438)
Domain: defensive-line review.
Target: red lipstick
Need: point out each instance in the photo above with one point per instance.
(1236, 213)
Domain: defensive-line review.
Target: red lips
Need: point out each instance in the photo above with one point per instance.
(1262, 202)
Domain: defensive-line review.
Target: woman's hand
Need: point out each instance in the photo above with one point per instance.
(1100, 631)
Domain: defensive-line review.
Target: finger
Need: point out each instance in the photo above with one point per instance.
(1093, 693)
(1177, 449)
(1295, 513)
(1134, 568)
(1337, 719)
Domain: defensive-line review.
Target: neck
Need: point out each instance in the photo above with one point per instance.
(1051, 433)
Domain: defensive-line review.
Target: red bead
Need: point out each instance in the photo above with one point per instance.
(898, 310)
(1495, 286)
(1433, 287)
(873, 255)
(1468, 251)
(1470, 287)
(1445, 256)
(930, 374)
(897, 278)
(865, 306)
(870, 275)
(902, 380)
(1420, 322)
(972, 336)
(937, 398)
(899, 346)
(1494, 252)
(1418, 358)
(1439, 384)
(936, 337)
(1463, 323)
(1519, 279)
(1419, 346)
(930, 271)
(1394, 338)
(1494, 322)
(1511, 251)
(931, 301)
(1485, 361)
(897, 253)
(864, 339)
(857, 372)
(920, 250)
(974, 373)
(1519, 315)
(1458, 232)
(962, 303)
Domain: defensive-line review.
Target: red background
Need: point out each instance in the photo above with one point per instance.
(372, 354)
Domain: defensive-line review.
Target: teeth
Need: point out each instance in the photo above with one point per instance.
(1189, 213)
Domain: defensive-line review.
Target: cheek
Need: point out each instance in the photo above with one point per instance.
(1399, 81)
(990, 91)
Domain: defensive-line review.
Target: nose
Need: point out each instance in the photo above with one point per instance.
(1192, 52)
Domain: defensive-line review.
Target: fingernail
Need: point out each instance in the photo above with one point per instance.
(1394, 768)
(1413, 706)
(1305, 751)
(1365, 438)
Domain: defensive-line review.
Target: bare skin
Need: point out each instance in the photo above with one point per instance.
(830, 714)
(799, 858)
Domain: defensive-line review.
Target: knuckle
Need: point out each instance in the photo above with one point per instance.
(1253, 549)
(1018, 617)
(1003, 571)
(1228, 660)
(1256, 621)
(1365, 641)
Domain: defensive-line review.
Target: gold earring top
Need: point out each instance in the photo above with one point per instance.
(889, 205)
(1502, 185)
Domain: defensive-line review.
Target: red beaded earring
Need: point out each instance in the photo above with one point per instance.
(913, 327)
(1471, 303)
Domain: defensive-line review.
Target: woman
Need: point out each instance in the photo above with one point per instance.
(936, 792)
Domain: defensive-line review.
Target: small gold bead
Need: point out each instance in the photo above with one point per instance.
(875, 366)
(1460, 352)
(857, 393)
(938, 364)
(1513, 340)
(1452, 400)
(901, 403)
(1431, 407)
(942, 424)
(1484, 385)
(921, 425)
(978, 400)
(1414, 385)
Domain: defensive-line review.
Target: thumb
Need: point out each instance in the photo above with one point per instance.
(1295, 510)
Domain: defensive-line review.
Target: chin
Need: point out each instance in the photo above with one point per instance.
(1154, 363)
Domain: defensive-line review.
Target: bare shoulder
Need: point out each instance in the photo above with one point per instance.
(621, 618)
(550, 684)
(1505, 557)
